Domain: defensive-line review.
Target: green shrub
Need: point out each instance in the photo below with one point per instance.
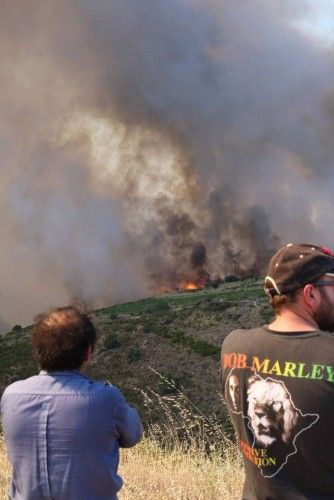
(204, 348)
(111, 341)
(148, 327)
(249, 277)
(216, 305)
(230, 278)
(199, 346)
(162, 305)
(134, 354)
(162, 331)
(16, 328)
(156, 305)
(178, 337)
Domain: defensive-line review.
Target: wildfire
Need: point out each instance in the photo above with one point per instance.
(191, 285)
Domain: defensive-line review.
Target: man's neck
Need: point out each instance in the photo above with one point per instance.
(293, 321)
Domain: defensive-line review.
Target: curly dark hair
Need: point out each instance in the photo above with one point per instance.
(61, 337)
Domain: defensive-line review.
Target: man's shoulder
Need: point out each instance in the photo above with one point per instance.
(21, 385)
(63, 383)
(242, 333)
(101, 389)
(107, 388)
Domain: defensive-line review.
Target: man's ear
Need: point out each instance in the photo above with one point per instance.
(311, 296)
(88, 353)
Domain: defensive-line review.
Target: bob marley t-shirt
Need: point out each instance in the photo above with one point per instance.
(279, 391)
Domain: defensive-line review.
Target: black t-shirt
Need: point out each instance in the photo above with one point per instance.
(279, 391)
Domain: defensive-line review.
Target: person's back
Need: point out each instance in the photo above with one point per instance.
(63, 432)
(278, 383)
(285, 410)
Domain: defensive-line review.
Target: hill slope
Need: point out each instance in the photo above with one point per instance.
(177, 335)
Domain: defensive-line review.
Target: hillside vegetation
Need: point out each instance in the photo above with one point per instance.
(177, 335)
(163, 353)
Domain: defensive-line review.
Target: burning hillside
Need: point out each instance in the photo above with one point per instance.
(146, 145)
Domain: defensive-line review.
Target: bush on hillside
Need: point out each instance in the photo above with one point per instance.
(134, 354)
(148, 327)
(16, 328)
(218, 305)
(230, 278)
(157, 305)
(111, 341)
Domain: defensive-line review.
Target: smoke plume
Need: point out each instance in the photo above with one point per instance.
(148, 143)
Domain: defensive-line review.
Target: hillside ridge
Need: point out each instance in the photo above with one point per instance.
(165, 343)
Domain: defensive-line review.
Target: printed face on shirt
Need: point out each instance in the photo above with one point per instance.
(234, 390)
(272, 414)
(263, 410)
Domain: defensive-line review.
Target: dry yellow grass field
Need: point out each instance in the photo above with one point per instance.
(153, 474)
(186, 455)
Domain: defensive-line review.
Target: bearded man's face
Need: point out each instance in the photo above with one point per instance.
(324, 315)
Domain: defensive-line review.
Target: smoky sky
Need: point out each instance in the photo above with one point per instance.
(147, 143)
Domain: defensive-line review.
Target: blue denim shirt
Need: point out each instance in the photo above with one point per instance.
(63, 432)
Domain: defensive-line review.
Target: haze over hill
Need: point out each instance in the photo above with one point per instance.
(147, 144)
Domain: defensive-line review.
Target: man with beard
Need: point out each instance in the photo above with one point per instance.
(285, 372)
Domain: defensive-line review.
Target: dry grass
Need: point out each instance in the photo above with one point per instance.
(185, 455)
(5, 471)
(151, 473)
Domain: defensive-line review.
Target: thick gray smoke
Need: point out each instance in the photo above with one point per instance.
(147, 143)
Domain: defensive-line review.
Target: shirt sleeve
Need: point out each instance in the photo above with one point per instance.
(126, 421)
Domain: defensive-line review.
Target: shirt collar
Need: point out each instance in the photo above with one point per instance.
(64, 373)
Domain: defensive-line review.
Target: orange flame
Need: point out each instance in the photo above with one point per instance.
(190, 285)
